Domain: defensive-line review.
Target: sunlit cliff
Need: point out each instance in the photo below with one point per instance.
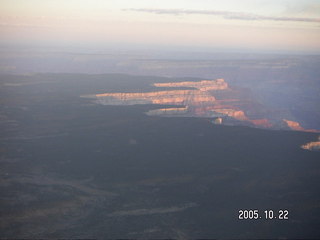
(167, 111)
(204, 85)
(200, 101)
(174, 97)
(312, 146)
(296, 126)
(293, 125)
(197, 103)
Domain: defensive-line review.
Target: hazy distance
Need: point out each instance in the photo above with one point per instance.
(291, 26)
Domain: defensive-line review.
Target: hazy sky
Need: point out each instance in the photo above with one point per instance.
(252, 24)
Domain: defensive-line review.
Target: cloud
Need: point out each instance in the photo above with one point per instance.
(225, 14)
(306, 9)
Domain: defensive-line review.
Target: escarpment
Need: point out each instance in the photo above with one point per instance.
(207, 98)
(204, 85)
(174, 97)
(312, 146)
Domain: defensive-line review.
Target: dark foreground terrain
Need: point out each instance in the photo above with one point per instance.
(70, 168)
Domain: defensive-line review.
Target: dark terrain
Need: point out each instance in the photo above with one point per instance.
(74, 169)
(288, 83)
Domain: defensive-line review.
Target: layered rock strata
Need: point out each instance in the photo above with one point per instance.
(201, 102)
(312, 146)
(204, 85)
(174, 97)
(296, 126)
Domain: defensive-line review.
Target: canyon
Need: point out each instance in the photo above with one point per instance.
(207, 99)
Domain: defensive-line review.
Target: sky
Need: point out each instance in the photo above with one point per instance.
(291, 25)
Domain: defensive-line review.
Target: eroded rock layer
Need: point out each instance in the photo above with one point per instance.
(201, 101)
(312, 146)
(205, 85)
(174, 97)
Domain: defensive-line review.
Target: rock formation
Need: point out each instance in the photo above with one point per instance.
(236, 114)
(204, 85)
(312, 146)
(296, 126)
(293, 125)
(262, 123)
(168, 111)
(174, 97)
(218, 121)
(200, 101)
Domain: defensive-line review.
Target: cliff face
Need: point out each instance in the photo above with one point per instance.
(237, 114)
(193, 103)
(312, 146)
(296, 126)
(205, 85)
(168, 111)
(201, 102)
(293, 125)
(174, 97)
(265, 123)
